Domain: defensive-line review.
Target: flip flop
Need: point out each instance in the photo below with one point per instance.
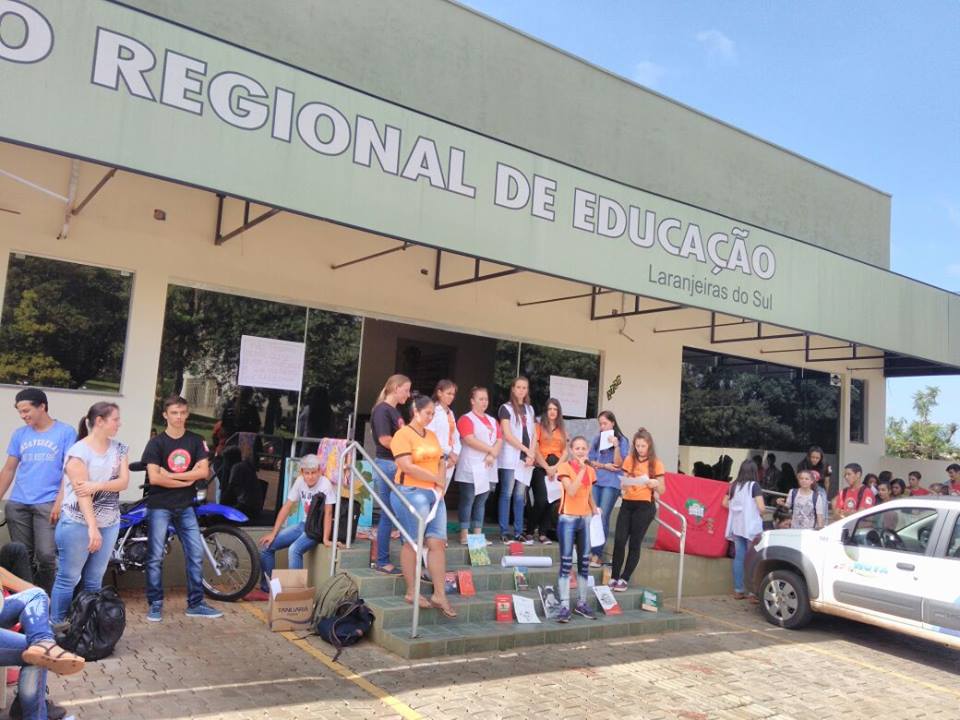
(394, 570)
(447, 610)
(424, 603)
(47, 654)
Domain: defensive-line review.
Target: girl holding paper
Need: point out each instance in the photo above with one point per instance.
(481, 438)
(607, 452)
(573, 527)
(551, 450)
(518, 425)
(642, 477)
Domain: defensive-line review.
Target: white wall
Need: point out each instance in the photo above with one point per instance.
(288, 259)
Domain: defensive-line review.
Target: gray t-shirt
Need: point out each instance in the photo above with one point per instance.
(804, 516)
(100, 469)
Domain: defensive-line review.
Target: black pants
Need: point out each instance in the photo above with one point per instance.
(632, 523)
(542, 514)
(15, 558)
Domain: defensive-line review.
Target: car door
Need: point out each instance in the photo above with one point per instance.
(880, 563)
(941, 607)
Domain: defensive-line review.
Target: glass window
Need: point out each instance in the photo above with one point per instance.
(901, 529)
(858, 411)
(538, 363)
(63, 324)
(732, 402)
(953, 549)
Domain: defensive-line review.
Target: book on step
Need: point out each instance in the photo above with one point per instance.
(607, 601)
(549, 600)
(477, 546)
(520, 579)
(465, 582)
(504, 608)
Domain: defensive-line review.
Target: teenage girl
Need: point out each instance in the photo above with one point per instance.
(642, 477)
(573, 527)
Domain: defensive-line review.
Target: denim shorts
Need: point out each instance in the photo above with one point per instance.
(422, 500)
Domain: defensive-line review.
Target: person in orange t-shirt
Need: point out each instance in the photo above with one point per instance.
(550, 450)
(573, 527)
(642, 477)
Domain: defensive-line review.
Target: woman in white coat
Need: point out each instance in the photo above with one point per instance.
(444, 423)
(744, 501)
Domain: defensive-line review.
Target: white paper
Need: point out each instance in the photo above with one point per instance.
(523, 474)
(637, 481)
(525, 610)
(483, 476)
(275, 587)
(605, 597)
(597, 536)
(606, 440)
(572, 394)
(554, 489)
(269, 363)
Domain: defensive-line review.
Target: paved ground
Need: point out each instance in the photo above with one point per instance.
(733, 665)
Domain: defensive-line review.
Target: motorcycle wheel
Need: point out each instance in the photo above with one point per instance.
(237, 559)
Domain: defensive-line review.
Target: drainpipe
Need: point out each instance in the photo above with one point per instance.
(71, 198)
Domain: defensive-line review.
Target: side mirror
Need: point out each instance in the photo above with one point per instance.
(845, 536)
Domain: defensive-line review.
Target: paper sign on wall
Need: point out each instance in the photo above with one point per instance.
(572, 394)
(269, 363)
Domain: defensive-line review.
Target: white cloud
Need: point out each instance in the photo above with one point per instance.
(649, 73)
(718, 46)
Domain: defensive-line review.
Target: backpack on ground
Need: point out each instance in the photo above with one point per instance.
(349, 623)
(337, 589)
(96, 622)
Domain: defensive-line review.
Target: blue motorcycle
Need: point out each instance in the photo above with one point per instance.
(231, 567)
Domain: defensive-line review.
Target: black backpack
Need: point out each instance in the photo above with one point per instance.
(350, 622)
(96, 622)
(816, 496)
(313, 525)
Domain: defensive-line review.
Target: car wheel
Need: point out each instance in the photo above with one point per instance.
(784, 599)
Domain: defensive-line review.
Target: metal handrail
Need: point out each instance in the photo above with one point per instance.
(680, 534)
(348, 465)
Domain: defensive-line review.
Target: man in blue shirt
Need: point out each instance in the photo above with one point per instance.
(35, 467)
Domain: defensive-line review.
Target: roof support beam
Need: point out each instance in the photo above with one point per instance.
(596, 291)
(477, 276)
(371, 256)
(220, 238)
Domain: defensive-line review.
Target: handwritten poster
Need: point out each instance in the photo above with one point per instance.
(572, 394)
(269, 363)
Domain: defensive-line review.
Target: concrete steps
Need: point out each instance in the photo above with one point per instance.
(475, 628)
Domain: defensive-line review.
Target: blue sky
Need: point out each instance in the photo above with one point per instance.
(869, 89)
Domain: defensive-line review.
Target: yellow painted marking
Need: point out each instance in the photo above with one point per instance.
(404, 710)
(883, 670)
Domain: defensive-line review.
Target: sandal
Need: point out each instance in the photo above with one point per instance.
(50, 656)
(388, 569)
(444, 608)
(463, 537)
(739, 596)
(424, 603)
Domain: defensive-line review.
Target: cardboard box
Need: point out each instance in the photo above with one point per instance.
(291, 601)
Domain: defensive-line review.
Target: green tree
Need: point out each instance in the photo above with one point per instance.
(64, 324)
(922, 438)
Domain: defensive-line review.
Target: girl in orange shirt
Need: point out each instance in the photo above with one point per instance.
(550, 450)
(573, 527)
(642, 477)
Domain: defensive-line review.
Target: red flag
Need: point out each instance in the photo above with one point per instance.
(701, 502)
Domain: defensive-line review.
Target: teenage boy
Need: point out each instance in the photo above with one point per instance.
(952, 486)
(35, 467)
(176, 459)
(914, 479)
(855, 496)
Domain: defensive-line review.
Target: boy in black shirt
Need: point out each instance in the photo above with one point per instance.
(176, 459)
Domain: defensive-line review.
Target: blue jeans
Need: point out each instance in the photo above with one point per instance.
(185, 524)
(31, 609)
(422, 501)
(573, 531)
(605, 498)
(471, 506)
(511, 493)
(77, 563)
(385, 525)
(292, 537)
(741, 544)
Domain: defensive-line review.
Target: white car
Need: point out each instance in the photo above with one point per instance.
(896, 565)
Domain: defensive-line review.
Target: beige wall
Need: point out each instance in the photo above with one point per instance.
(117, 230)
